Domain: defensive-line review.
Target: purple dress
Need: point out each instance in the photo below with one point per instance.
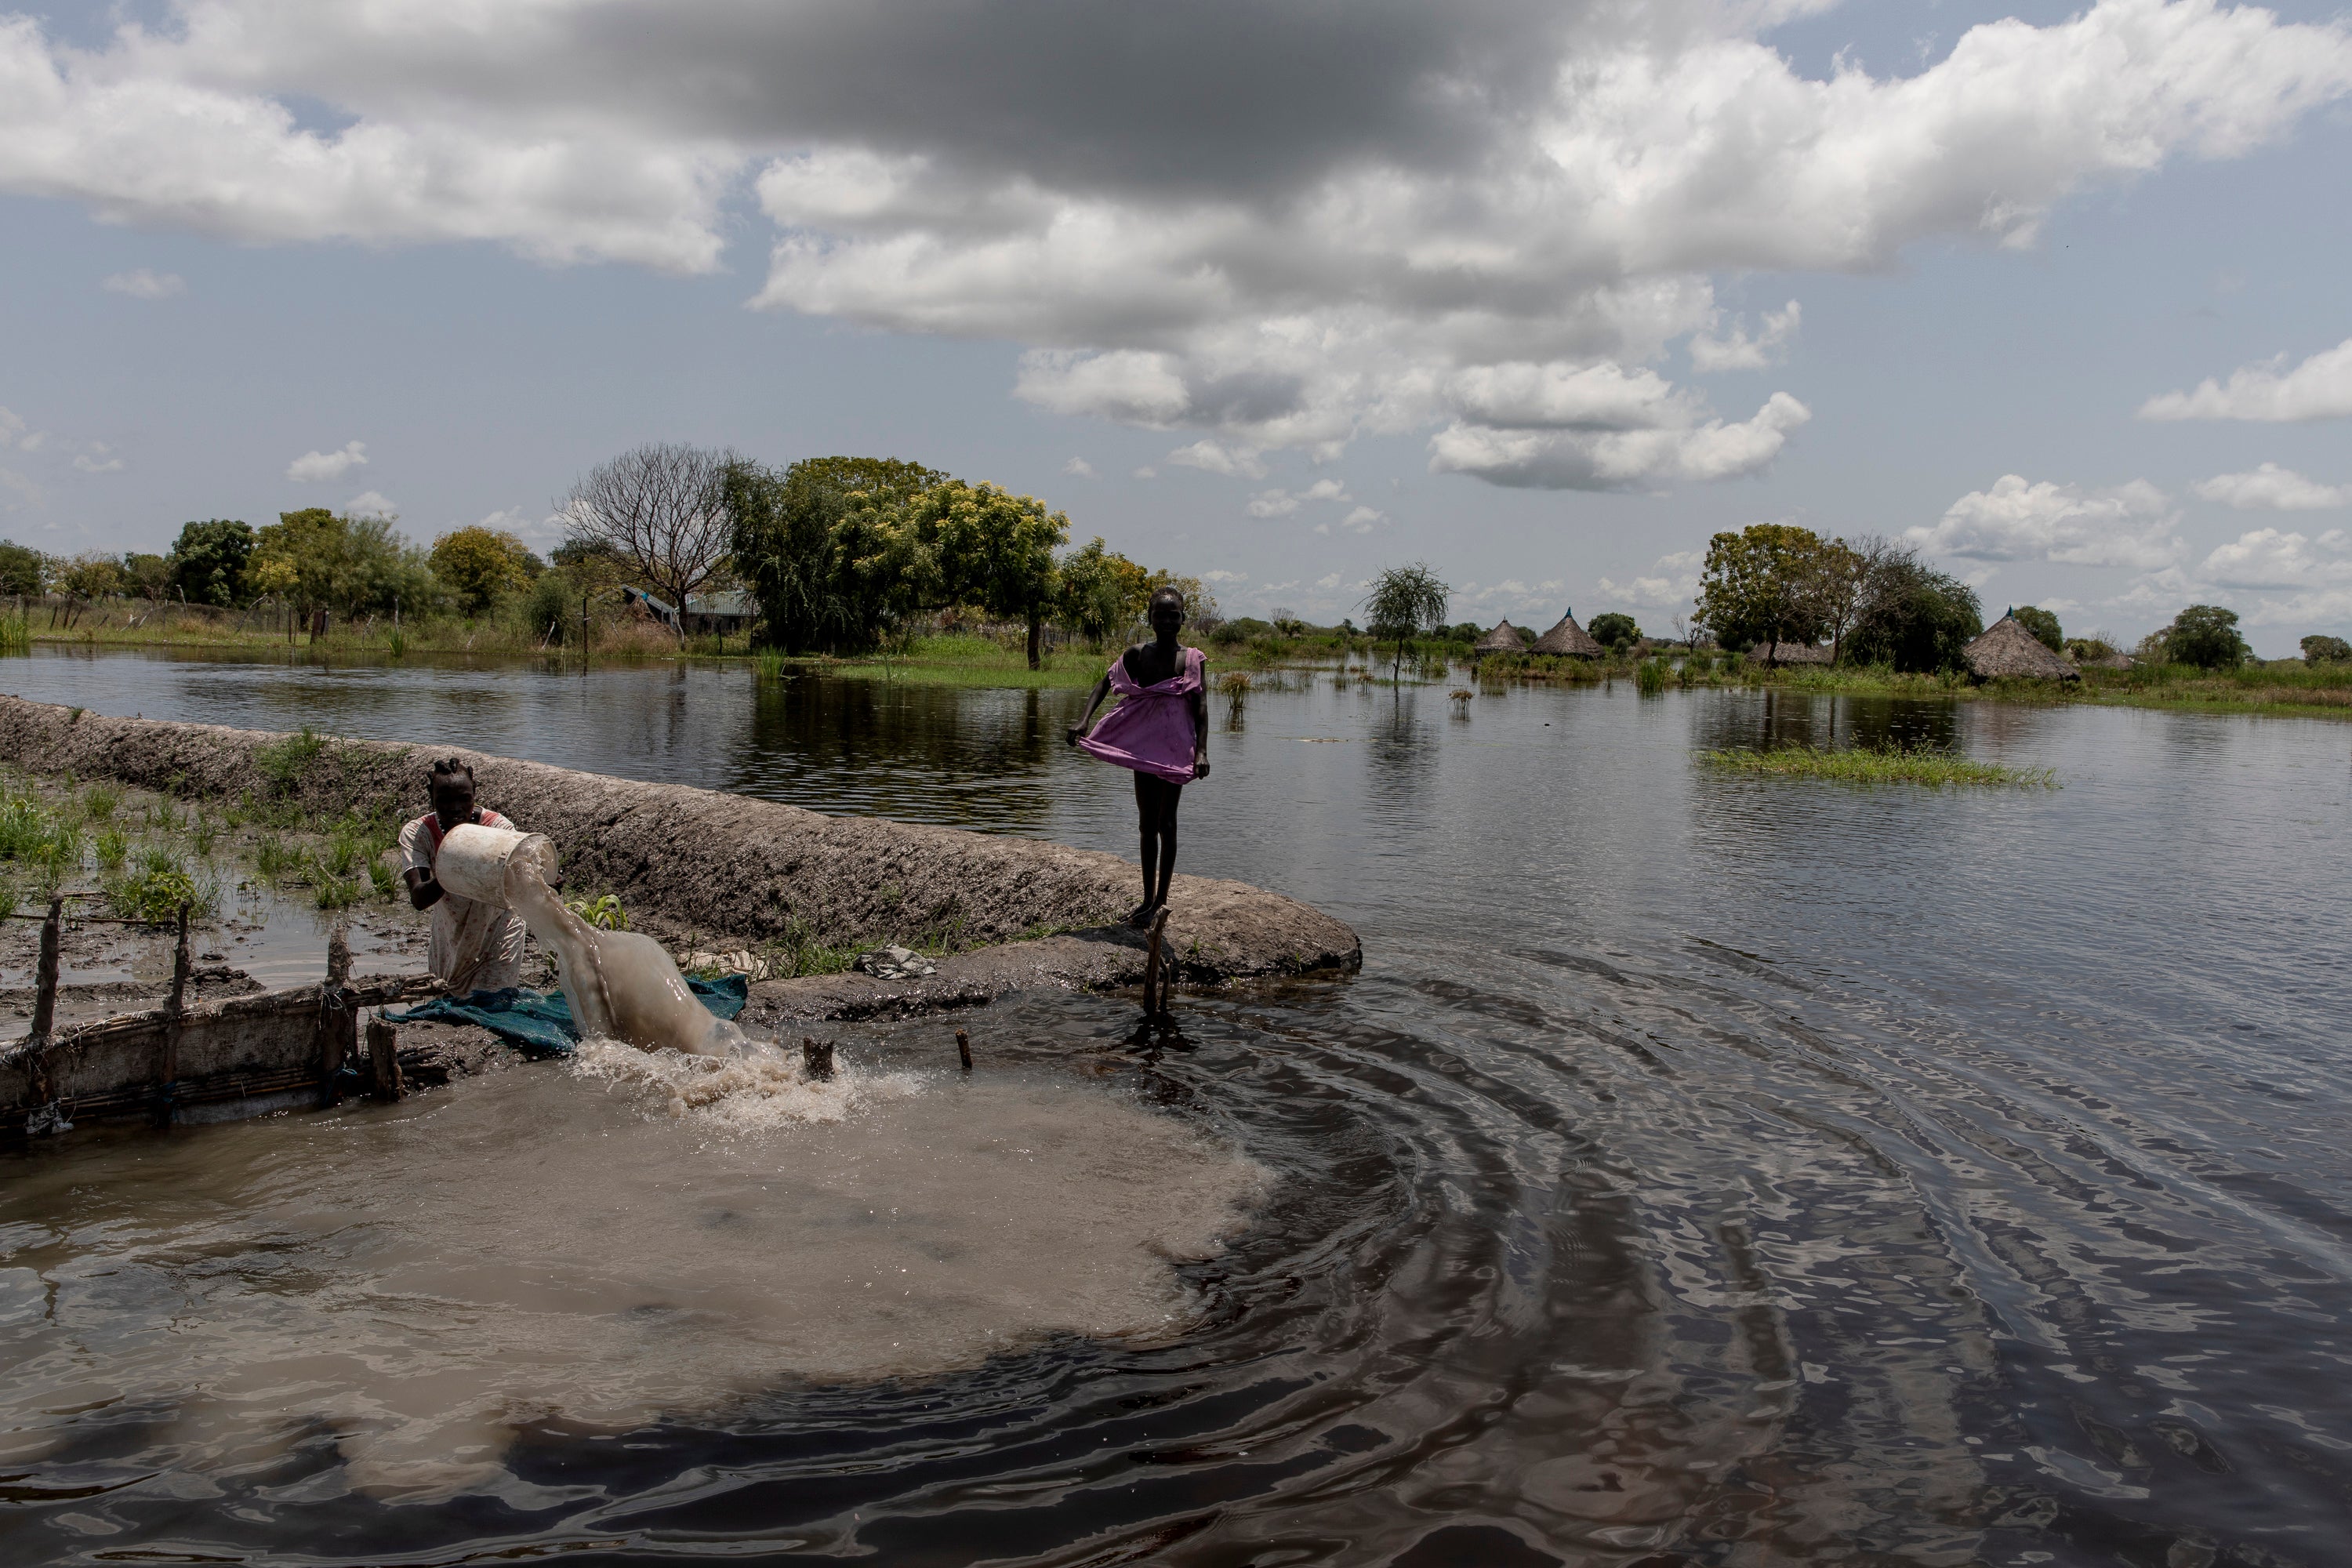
(1151, 731)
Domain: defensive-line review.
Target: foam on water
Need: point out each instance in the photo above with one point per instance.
(755, 1086)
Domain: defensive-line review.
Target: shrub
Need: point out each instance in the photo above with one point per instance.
(1615, 631)
(1916, 622)
(156, 891)
(2318, 650)
(2207, 636)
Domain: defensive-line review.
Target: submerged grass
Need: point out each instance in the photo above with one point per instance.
(1895, 764)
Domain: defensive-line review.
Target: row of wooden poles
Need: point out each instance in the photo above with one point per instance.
(338, 1034)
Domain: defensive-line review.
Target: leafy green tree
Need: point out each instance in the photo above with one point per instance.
(2320, 649)
(92, 575)
(149, 576)
(351, 565)
(208, 561)
(2043, 624)
(1762, 585)
(1917, 619)
(994, 550)
(24, 571)
(2207, 636)
(1405, 601)
(483, 565)
(817, 541)
(1614, 631)
(1102, 592)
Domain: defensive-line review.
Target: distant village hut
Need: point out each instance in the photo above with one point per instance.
(1569, 639)
(1783, 653)
(1505, 638)
(2008, 651)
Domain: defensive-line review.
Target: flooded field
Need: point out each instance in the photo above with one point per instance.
(1703, 1170)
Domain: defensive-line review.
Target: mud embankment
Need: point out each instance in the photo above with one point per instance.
(739, 869)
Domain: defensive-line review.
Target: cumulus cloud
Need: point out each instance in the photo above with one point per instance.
(1675, 585)
(2017, 520)
(1212, 456)
(1282, 504)
(318, 467)
(12, 427)
(2268, 558)
(1738, 351)
(1275, 228)
(98, 460)
(2318, 388)
(142, 284)
(2274, 488)
(1677, 447)
(372, 504)
(1078, 468)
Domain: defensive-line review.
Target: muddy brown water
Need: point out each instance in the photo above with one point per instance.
(1700, 1170)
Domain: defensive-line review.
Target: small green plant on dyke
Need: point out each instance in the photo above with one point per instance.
(113, 847)
(1893, 765)
(386, 880)
(1650, 677)
(604, 913)
(201, 836)
(98, 803)
(285, 763)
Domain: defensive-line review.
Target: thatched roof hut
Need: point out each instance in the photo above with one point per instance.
(2008, 651)
(1505, 638)
(1568, 638)
(1788, 653)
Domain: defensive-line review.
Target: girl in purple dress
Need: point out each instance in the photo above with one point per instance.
(1160, 731)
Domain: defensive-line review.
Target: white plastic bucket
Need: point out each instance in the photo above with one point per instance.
(476, 862)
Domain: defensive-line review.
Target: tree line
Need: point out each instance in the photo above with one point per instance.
(1876, 602)
(839, 554)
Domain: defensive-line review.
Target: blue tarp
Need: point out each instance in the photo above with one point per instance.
(541, 1022)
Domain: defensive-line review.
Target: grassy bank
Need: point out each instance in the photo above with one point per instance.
(1898, 764)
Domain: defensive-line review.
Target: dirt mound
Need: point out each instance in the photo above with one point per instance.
(728, 864)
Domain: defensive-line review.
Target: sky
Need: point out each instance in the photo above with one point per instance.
(1277, 294)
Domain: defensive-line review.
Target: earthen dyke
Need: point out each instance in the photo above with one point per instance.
(752, 870)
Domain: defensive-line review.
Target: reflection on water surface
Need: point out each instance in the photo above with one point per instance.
(1703, 1169)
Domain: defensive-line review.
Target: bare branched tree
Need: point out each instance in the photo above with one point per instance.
(660, 509)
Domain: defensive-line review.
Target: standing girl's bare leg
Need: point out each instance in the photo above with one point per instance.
(1155, 819)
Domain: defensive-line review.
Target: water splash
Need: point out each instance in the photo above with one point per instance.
(754, 1087)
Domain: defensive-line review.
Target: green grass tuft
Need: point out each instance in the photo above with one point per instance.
(156, 891)
(1897, 764)
(285, 763)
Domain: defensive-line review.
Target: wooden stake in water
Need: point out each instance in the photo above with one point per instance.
(45, 1000)
(1153, 1003)
(815, 1059)
(384, 1060)
(175, 1009)
(964, 1049)
(338, 1024)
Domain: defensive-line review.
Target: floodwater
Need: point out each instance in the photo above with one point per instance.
(1702, 1170)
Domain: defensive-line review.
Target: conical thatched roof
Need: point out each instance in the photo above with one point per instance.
(1505, 638)
(1569, 638)
(1788, 653)
(2007, 650)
